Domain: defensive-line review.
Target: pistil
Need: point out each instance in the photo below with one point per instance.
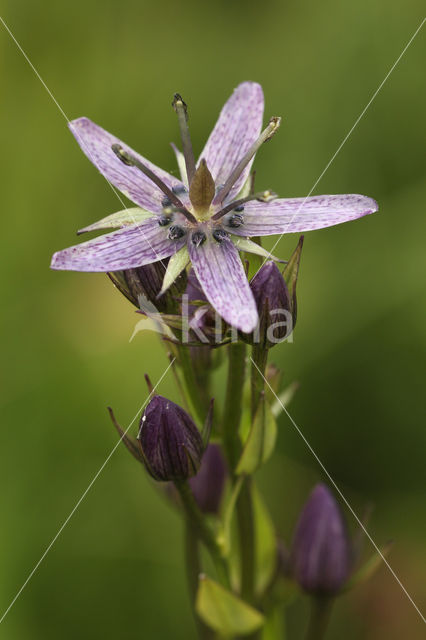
(182, 113)
(266, 135)
(131, 161)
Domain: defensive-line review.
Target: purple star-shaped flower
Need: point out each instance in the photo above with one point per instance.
(207, 216)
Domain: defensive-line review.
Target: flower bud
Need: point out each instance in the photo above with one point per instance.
(207, 486)
(144, 284)
(273, 304)
(320, 556)
(171, 444)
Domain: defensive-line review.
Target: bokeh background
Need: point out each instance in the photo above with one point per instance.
(116, 571)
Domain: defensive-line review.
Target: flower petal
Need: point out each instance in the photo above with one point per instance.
(126, 248)
(124, 218)
(96, 144)
(220, 271)
(290, 215)
(238, 126)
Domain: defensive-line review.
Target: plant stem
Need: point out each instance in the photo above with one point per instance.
(247, 540)
(233, 401)
(320, 617)
(193, 570)
(196, 520)
(193, 391)
(259, 356)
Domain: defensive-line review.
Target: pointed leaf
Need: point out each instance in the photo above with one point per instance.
(275, 628)
(290, 275)
(369, 568)
(245, 244)
(131, 444)
(124, 218)
(225, 612)
(224, 539)
(260, 442)
(176, 265)
(266, 544)
(283, 400)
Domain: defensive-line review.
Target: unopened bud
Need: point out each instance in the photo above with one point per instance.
(273, 304)
(320, 556)
(144, 284)
(171, 444)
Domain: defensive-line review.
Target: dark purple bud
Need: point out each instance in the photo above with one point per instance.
(207, 486)
(171, 444)
(273, 304)
(143, 285)
(320, 556)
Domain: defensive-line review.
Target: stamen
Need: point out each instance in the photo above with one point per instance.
(219, 235)
(266, 135)
(198, 238)
(163, 221)
(176, 232)
(239, 208)
(129, 160)
(262, 196)
(182, 113)
(235, 221)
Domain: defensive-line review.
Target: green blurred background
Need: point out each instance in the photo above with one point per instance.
(116, 570)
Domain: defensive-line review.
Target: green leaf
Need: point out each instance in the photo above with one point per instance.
(290, 275)
(224, 539)
(176, 265)
(284, 399)
(260, 442)
(225, 612)
(369, 568)
(247, 245)
(275, 628)
(266, 543)
(124, 218)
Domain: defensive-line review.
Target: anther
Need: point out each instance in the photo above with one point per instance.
(166, 202)
(235, 221)
(179, 189)
(219, 235)
(176, 232)
(239, 208)
(198, 238)
(163, 221)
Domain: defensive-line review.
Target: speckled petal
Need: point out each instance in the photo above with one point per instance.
(238, 126)
(291, 215)
(96, 144)
(123, 249)
(221, 274)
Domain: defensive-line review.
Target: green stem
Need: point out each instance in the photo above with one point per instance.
(247, 540)
(196, 520)
(259, 357)
(194, 396)
(233, 401)
(320, 617)
(193, 570)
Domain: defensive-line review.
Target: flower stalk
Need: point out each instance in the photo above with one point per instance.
(198, 523)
